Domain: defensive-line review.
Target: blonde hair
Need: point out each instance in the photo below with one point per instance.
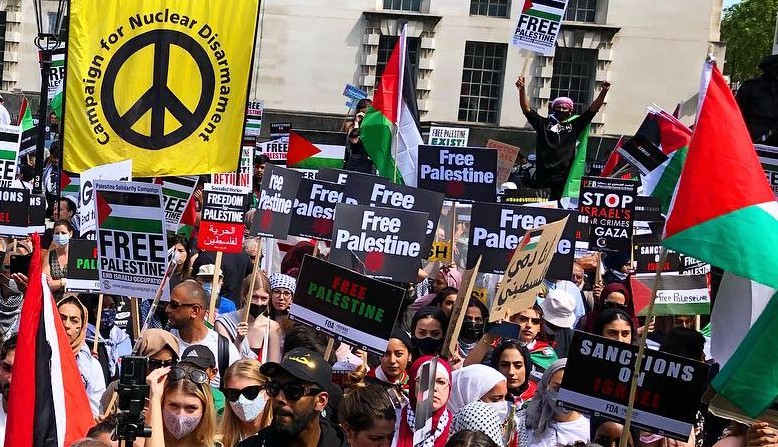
(230, 425)
(205, 433)
(262, 282)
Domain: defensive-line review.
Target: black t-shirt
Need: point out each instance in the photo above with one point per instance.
(331, 436)
(555, 146)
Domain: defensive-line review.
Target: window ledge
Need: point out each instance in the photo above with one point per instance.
(586, 26)
(407, 15)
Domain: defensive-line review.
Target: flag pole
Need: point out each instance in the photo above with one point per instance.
(641, 350)
(401, 75)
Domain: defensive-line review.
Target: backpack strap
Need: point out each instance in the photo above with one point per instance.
(223, 362)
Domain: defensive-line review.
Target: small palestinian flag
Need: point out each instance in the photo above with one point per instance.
(303, 154)
(531, 240)
(70, 183)
(136, 212)
(544, 9)
(175, 192)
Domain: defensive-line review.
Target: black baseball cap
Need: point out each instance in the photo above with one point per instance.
(303, 364)
(199, 356)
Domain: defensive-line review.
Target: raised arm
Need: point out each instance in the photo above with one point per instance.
(597, 103)
(523, 99)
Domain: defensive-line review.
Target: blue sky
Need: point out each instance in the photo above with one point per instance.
(728, 3)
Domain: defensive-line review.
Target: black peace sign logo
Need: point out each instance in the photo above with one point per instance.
(158, 98)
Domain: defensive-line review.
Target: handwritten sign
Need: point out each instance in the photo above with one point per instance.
(221, 221)
(506, 158)
(526, 270)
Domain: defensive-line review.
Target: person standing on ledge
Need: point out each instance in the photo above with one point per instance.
(557, 136)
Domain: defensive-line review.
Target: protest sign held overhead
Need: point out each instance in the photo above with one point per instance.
(539, 24)
(254, 112)
(83, 275)
(460, 173)
(221, 219)
(768, 157)
(669, 387)
(506, 158)
(676, 294)
(610, 205)
(14, 206)
(176, 193)
(354, 94)
(119, 171)
(245, 169)
(386, 243)
(370, 190)
(646, 256)
(131, 238)
(497, 229)
(274, 211)
(277, 147)
(526, 271)
(642, 153)
(10, 141)
(314, 209)
(316, 150)
(164, 83)
(346, 305)
(448, 136)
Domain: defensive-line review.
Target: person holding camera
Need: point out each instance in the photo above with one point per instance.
(181, 411)
(357, 158)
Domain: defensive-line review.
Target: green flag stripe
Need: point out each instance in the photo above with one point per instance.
(665, 187)
(377, 138)
(679, 309)
(132, 224)
(743, 242)
(543, 15)
(7, 155)
(317, 163)
(175, 193)
(577, 171)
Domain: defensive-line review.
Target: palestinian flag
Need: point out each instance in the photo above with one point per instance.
(303, 154)
(572, 189)
(544, 9)
(136, 212)
(70, 183)
(676, 294)
(672, 138)
(390, 130)
(56, 101)
(47, 405)
(188, 220)
(614, 161)
(25, 116)
(735, 228)
(531, 240)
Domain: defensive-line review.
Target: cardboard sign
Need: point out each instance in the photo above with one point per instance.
(176, 193)
(448, 136)
(768, 156)
(131, 238)
(83, 275)
(314, 209)
(461, 173)
(676, 294)
(387, 243)
(36, 216)
(669, 387)
(246, 169)
(254, 110)
(221, 219)
(610, 205)
(497, 229)
(440, 252)
(346, 305)
(10, 141)
(119, 171)
(458, 311)
(524, 196)
(274, 210)
(525, 273)
(14, 208)
(371, 190)
(538, 26)
(506, 158)
(642, 153)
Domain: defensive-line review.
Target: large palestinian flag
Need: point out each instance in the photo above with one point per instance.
(390, 130)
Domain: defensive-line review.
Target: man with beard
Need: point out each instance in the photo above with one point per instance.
(299, 387)
(7, 353)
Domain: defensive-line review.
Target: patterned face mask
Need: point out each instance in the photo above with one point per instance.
(180, 425)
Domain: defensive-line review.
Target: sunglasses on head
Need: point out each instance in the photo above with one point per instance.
(292, 390)
(195, 375)
(249, 392)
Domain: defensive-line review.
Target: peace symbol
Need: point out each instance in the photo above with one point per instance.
(158, 98)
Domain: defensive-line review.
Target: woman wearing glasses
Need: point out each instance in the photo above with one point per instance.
(181, 410)
(247, 412)
(282, 290)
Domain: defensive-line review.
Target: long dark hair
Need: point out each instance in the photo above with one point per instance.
(611, 315)
(513, 344)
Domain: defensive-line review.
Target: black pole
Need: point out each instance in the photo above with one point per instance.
(37, 185)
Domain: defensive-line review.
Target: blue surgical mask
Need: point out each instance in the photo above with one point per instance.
(208, 287)
(61, 239)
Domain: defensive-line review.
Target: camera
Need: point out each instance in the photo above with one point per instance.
(132, 392)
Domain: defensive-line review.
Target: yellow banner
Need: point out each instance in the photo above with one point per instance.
(163, 82)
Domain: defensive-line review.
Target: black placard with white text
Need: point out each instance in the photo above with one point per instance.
(382, 243)
(461, 173)
(83, 276)
(610, 205)
(314, 209)
(669, 386)
(14, 209)
(274, 210)
(346, 305)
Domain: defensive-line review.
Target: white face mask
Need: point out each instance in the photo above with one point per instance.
(179, 425)
(248, 410)
(61, 239)
(501, 408)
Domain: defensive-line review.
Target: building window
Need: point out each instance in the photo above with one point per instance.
(386, 46)
(491, 8)
(482, 74)
(63, 32)
(581, 11)
(574, 70)
(403, 5)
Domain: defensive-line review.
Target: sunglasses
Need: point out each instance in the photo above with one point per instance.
(176, 304)
(156, 364)
(249, 392)
(522, 319)
(197, 376)
(292, 391)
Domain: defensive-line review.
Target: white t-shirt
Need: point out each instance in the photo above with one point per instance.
(563, 433)
(211, 341)
(2, 426)
(92, 376)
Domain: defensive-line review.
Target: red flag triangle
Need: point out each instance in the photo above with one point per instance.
(103, 208)
(64, 180)
(299, 149)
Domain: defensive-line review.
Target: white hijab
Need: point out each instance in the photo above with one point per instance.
(470, 383)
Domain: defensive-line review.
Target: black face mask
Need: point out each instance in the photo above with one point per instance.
(256, 310)
(471, 331)
(427, 345)
(561, 116)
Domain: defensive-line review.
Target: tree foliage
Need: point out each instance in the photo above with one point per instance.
(748, 29)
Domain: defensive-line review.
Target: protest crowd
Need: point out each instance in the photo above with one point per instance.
(445, 301)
